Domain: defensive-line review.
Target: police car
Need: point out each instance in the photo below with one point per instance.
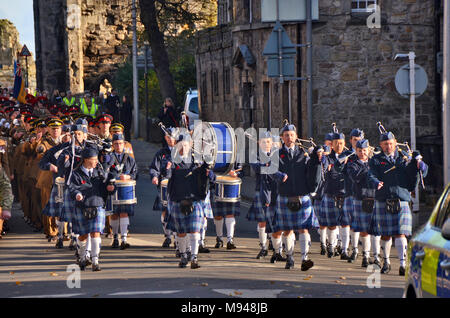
(428, 267)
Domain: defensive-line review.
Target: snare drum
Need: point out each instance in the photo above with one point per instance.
(59, 182)
(109, 209)
(227, 189)
(163, 192)
(125, 192)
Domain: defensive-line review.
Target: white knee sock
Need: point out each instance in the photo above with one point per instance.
(194, 238)
(376, 245)
(332, 237)
(219, 227)
(355, 240)
(262, 236)
(88, 245)
(182, 244)
(124, 228)
(401, 243)
(115, 226)
(366, 245)
(167, 233)
(96, 241)
(230, 223)
(345, 237)
(82, 249)
(290, 242)
(203, 231)
(386, 247)
(323, 236)
(339, 235)
(304, 239)
(276, 244)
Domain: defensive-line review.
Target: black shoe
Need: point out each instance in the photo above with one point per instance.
(177, 253)
(401, 271)
(115, 243)
(386, 268)
(194, 264)
(353, 257)
(365, 262)
(183, 262)
(262, 253)
(231, 246)
(276, 257)
(330, 253)
(323, 249)
(307, 264)
(376, 261)
(59, 244)
(96, 268)
(167, 242)
(124, 245)
(344, 256)
(289, 262)
(202, 249)
(88, 261)
(338, 250)
(50, 238)
(82, 264)
(219, 242)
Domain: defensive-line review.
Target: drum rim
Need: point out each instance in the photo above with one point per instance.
(125, 183)
(129, 201)
(236, 181)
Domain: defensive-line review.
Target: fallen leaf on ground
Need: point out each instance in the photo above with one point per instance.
(19, 283)
(237, 293)
(343, 277)
(308, 278)
(53, 274)
(204, 284)
(12, 273)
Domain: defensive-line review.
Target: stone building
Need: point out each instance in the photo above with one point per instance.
(353, 68)
(9, 48)
(84, 43)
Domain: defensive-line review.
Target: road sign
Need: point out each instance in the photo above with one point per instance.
(271, 47)
(25, 51)
(402, 81)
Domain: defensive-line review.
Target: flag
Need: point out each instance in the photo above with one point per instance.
(19, 89)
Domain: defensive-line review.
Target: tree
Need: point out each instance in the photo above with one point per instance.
(163, 18)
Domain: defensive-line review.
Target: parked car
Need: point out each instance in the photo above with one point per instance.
(428, 261)
(191, 107)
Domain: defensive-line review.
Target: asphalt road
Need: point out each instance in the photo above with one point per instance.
(32, 267)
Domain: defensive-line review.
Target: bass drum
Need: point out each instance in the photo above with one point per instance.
(218, 145)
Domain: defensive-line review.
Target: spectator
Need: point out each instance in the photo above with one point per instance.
(112, 105)
(169, 116)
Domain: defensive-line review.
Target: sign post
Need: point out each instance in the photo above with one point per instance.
(25, 52)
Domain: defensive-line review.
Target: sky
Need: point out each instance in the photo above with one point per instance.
(20, 13)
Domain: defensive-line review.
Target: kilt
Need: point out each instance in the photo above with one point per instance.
(345, 217)
(316, 205)
(67, 208)
(207, 209)
(384, 223)
(361, 221)
(180, 223)
(226, 208)
(123, 208)
(286, 220)
(82, 226)
(52, 208)
(257, 211)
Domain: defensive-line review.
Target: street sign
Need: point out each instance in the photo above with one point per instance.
(289, 10)
(402, 81)
(25, 51)
(271, 47)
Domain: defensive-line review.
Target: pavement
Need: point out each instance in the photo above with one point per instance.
(31, 267)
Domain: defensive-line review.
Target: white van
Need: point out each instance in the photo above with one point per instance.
(191, 107)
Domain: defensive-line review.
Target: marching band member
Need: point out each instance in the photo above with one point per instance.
(156, 167)
(394, 178)
(331, 211)
(88, 187)
(294, 208)
(229, 211)
(363, 199)
(123, 168)
(118, 128)
(187, 189)
(265, 192)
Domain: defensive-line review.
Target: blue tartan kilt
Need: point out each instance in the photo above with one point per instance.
(180, 223)
(316, 205)
(286, 220)
(207, 208)
(226, 208)
(257, 211)
(345, 217)
(67, 208)
(361, 221)
(124, 208)
(82, 226)
(328, 213)
(52, 208)
(388, 224)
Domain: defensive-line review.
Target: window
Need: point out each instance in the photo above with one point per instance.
(363, 5)
(444, 211)
(215, 82)
(193, 105)
(204, 90)
(226, 80)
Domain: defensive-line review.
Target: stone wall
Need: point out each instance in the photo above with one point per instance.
(353, 70)
(84, 45)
